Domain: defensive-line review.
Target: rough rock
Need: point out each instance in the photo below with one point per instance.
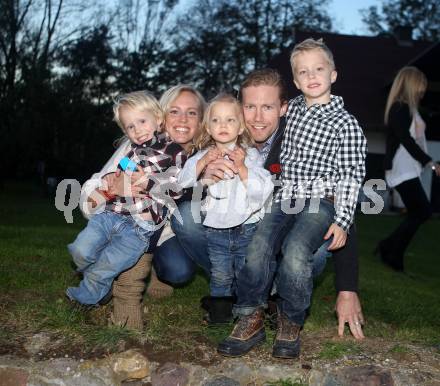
(170, 374)
(13, 377)
(67, 372)
(239, 370)
(222, 381)
(36, 343)
(365, 376)
(275, 372)
(130, 364)
(124, 366)
(418, 367)
(198, 375)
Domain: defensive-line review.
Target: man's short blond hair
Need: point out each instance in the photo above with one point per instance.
(137, 100)
(308, 45)
(265, 77)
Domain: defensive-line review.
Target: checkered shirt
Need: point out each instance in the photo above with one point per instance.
(323, 155)
(161, 160)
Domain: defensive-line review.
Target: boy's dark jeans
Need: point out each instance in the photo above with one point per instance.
(298, 235)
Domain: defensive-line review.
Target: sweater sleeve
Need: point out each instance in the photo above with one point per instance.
(95, 182)
(351, 171)
(399, 122)
(346, 264)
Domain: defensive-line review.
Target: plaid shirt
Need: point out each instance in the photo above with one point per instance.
(323, 155)
(161, 160)
(265, 149)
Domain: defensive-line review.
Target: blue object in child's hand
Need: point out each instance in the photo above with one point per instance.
(126, 164)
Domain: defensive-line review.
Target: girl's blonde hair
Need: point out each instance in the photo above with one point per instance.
(204, 140)
(408, 87)
(138, 100)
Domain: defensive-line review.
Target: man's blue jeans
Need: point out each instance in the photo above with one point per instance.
(298, 236)
(110, 244)
(227, 253)
(174, 260)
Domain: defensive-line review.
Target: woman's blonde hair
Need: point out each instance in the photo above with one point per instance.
(170, 95)
(408, 87)
(138, 100)
(204, 140)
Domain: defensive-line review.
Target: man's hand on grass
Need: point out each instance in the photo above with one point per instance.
(348, 309)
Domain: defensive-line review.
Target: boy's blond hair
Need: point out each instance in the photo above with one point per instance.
(137, 100)
(204, 140)
(409, 85)
(308, 45)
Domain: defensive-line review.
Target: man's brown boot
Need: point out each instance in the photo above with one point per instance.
(247, 333)
(287, 342)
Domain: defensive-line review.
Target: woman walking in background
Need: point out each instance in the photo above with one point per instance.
(405, 158)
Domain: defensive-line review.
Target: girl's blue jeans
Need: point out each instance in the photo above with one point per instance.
(227, 254)
(110, 244)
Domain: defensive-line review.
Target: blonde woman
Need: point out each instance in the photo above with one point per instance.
(405, 158)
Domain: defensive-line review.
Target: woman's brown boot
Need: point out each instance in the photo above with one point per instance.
(158, 289)
(128, 291)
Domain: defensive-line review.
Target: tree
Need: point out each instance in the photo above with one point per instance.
(141, 31)
(222, 40)
(31, 34)
(422, 15)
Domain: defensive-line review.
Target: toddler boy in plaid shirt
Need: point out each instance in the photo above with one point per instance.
(323, 165)
(115, 239)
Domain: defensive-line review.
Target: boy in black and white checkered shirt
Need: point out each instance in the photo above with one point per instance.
(323, 165)
(323, 150)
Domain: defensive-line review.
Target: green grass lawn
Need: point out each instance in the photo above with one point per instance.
(35, 269)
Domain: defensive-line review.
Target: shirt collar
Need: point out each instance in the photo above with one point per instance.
(267, 145)
(154, 139)
(336, 103)
(269, 141)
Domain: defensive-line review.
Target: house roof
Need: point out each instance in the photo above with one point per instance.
(366, 67)
(428, 61)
